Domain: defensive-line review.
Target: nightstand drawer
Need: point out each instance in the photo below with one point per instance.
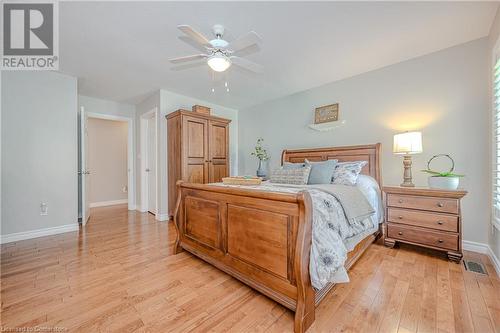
(443, 205)
(425, 237)
(423, 219)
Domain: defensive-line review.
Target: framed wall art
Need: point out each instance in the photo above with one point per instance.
(326, 114)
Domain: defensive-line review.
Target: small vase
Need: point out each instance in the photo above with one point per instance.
(261, 171)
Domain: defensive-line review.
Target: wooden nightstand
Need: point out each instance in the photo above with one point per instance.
(425, 217)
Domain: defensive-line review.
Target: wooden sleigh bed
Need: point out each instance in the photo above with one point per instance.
(264, 238)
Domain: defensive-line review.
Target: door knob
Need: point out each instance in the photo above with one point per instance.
(400, 217)
(440, 241)
(440, 204)
(147, 170)
(400, 233)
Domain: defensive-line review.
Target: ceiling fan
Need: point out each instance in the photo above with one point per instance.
(219, 53)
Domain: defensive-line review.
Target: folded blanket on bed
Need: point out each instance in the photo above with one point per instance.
(354, 203)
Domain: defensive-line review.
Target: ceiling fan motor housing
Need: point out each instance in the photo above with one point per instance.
(219, 43)
(218, 30)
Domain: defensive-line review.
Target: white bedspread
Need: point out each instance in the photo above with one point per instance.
(332, 234)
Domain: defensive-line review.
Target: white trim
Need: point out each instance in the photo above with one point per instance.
(109, 203)
(475, 247)
(162, 217)
(494, 57)
(495, 261)
(130, 151)
(158, 217)
(484, 249)
(19, 236)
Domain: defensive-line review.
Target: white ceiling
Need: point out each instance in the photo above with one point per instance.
(120, 50)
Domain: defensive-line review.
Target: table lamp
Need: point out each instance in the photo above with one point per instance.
(406, 144)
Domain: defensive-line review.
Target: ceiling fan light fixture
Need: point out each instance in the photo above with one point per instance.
(219, 62)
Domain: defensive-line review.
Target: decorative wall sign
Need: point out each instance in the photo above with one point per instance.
(326, 114)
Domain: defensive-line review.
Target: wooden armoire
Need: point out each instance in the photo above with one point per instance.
(198, 150)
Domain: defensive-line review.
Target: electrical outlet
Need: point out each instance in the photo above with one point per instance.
(125, 189)
(44, 209)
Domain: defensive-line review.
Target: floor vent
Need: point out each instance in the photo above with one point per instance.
(474, 266)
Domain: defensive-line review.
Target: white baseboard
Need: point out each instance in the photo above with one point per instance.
(494, 260)
(475, 247)
(158, 217)
(108, 203)
(162, 217)
(19, 236)
(484, 249)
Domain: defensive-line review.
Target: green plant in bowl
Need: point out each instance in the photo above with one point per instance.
(447, 180)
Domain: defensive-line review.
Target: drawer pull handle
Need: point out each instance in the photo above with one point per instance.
(440, 241)
(400, 233)
(440, 222)
(440, 204)
(400, 200)
(400, 217)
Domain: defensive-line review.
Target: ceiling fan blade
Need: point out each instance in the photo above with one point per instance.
(189, 65)
(247, 64)
(195, 35)
(188, 40)
(188, 58)
(248, 39)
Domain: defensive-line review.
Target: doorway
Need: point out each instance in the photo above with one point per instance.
(149, 170)
(106, 162)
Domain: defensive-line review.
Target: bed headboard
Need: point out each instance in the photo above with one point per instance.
(369, 153)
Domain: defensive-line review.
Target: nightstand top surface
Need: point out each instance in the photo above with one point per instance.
(426, 191)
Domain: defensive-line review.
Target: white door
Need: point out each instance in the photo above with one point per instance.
(84, 171)
(151, 164)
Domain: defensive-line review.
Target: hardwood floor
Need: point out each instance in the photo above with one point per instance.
(119, 275)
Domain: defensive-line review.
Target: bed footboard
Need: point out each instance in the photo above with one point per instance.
(262, 239)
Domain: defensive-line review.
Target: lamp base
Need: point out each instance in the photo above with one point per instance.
(407, 172)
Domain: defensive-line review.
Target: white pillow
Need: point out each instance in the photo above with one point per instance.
(346, 173)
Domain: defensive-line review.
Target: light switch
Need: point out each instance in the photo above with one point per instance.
(44, 209)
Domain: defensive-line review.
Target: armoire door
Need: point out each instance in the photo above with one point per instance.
(218, 151)
(195, 132)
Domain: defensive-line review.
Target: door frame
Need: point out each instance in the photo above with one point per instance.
(130, 152)
(144, 134)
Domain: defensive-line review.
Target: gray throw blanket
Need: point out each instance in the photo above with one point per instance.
(356, 206)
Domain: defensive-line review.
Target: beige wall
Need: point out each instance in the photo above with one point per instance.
(444, 94)
(107, 155)
(38, 152)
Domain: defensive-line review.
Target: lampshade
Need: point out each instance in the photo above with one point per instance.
(408, 143)
(219, 62)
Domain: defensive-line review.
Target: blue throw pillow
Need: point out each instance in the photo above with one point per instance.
(321, 172)
(290, 165)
